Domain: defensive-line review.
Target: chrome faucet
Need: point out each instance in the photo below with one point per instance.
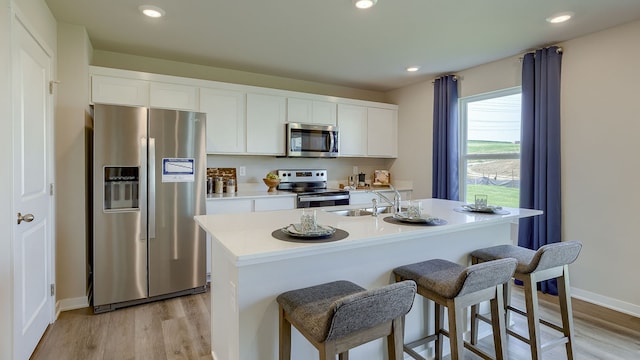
(396, 199)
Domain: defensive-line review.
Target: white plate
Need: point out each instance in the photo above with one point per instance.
(402, 216)
(486, 209)
(296, 231)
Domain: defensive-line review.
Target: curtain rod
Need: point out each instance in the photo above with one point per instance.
(455, 78)
(558, 51)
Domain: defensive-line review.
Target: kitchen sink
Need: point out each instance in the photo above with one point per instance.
(362, 211)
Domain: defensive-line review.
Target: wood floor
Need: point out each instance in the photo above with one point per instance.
(179, 329)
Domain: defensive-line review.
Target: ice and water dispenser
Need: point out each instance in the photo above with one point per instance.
(121, 187)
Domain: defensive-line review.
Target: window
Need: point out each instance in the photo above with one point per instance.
(490, 147)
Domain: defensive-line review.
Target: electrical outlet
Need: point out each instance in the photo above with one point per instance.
(355, 169)
(242, 170)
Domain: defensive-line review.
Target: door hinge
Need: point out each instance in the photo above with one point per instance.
(53, 289)
(51, 83)
(51, 189)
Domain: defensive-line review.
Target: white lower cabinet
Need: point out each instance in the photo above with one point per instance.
(279, 203)
(244, 205)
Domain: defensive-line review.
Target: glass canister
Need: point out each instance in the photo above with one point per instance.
(219, 185)
(231, 186)
(210, 185)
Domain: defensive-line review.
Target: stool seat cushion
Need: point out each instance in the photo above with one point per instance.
(546, 257)
(311, 306)
(449, 279)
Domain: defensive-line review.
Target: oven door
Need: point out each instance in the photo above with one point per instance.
(320, 200)
(304, 140)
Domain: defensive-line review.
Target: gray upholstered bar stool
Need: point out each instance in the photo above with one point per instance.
(457, 287)
(548, 262)
(341, 315)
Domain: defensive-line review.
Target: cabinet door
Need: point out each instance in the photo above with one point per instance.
(172, 96)
(225, 111)
(352, 124)
(299, 110)
(266, 115)
(119, 91)
(311, 111)
(325, 112)
(382, 127)
(276, 203)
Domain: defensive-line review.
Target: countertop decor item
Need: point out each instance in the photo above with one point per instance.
(381, 178)
(225, 174)
(271, 183)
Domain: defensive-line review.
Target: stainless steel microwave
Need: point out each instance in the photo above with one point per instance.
(312, 140)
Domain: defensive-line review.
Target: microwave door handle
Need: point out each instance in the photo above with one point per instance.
(331, 141)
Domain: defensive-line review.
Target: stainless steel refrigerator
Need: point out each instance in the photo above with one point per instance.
(149, 171)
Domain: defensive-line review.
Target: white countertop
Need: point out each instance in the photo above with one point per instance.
(247, 237)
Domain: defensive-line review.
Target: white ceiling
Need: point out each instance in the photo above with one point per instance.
(330, 41)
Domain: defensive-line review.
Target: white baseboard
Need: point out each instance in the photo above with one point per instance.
(71, 304)
(604, 301)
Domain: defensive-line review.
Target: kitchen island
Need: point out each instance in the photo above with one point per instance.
(250, 267)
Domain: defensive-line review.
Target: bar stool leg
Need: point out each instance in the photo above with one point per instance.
(395, 340)
(564, 298)
(284, 338)
(456, 325)
(498, 325)
(533, 318)
(439, 322)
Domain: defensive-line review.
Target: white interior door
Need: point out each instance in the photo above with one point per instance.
(32, 171)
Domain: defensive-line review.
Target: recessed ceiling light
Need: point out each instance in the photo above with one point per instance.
(152, 11)
(560, 17)
(364, 4)
(413, 68)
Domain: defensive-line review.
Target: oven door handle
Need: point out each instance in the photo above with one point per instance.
(322, 198)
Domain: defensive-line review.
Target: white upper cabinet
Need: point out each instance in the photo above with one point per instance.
(352, 125)
(245, 119)
(311, 111)
(367, 131)
(382, 128)
(173, 96)
(266, 117)
(120, 91)
(225, 111)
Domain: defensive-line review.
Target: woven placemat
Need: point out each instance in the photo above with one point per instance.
(435, 222)
(338, 235)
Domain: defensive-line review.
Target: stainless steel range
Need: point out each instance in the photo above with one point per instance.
(311, 187)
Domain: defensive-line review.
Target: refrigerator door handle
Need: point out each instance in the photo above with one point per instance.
(152, 188)
(143, 189)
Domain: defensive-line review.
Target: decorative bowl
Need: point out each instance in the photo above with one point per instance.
(271, 183)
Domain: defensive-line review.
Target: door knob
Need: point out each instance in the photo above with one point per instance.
(26, 218)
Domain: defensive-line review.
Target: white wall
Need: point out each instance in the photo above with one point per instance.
(601, 163)
(72, 116)
(600, 155)
(415, 136)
